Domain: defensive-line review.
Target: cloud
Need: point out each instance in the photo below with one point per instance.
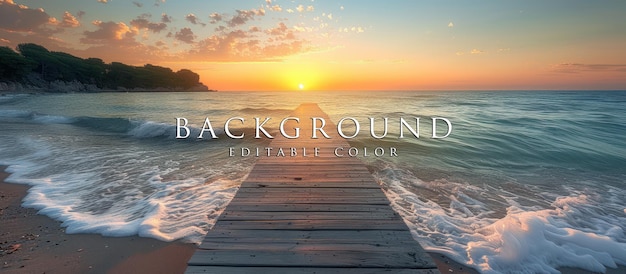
(103, 1)
(352, 29)
(301, 8)
(215, 17)
(341, 8)
(22, 24)
(243, 46)
(14, 17)
(107, 32)
(166, 18)
(254, 29)
(137, 4)
(275, 8)
(472, 52)
(580, 68)
(282, 31)
(283, 49)
(129, 53)
(185, 35)
(69, 21)
(142, 22)
(193, 19)
(80, 14)
(221, 47)
(451, 25)
(244, 16)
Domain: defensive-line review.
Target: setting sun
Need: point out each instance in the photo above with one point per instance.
(301, 86)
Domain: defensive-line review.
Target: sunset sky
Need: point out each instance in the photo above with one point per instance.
(341, 45)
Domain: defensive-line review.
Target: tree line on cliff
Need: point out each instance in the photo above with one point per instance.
(32, 59)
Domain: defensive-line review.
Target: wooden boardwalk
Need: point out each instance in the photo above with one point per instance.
(307, 214)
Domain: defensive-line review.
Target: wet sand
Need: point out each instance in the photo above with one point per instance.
(32, 243)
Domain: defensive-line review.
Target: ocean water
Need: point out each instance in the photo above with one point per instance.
(526, 182)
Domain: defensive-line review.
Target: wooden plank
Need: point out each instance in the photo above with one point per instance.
(314, 225)
(309, 246)
(322, 215)
(319, 200)
(302, 270)
(308, 184)
(306, 193)
(337, 235)
(325, 191)
(315, 180)
(340, 258)
(310, 207)
(288, 244)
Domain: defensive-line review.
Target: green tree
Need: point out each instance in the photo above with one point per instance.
(13, 66)
(187, 78)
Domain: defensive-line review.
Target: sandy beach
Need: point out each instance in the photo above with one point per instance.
(32, 243)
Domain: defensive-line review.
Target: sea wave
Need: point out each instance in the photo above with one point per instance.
(136, 128)
(467, 223)
(118, 192)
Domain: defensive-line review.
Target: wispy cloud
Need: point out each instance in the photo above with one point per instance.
(580, 67)
(142, 22)
(192, 18)
(69, 21)
(244, 16)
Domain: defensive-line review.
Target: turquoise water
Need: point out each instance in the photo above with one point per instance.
(526, 181)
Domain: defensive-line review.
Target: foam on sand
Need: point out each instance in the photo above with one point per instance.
(579, 230)
(121, 192)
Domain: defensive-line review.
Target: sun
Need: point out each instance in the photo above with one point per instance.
(301, 86)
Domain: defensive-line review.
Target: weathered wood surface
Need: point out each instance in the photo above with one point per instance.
(299, 214)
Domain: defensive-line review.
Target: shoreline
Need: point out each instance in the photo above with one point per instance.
(33, 243)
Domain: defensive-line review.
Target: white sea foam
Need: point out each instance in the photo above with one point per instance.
(527, 239)
(116, 192)
(52, 119)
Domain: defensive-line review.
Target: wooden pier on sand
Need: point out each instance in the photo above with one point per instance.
(307, 214)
